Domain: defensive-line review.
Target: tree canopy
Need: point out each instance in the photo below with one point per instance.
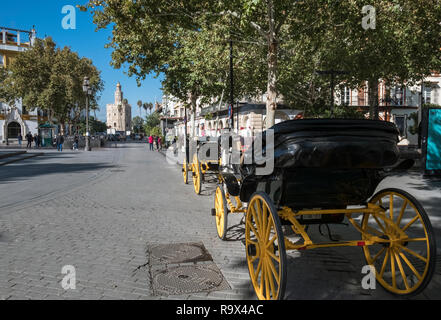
(278, 45)
(51, 79)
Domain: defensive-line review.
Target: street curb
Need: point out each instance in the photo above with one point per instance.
(20, 159)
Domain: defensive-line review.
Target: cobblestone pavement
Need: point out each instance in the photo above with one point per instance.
(101, 212)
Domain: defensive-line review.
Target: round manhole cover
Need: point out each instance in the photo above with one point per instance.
(188, 279)
(177, 253)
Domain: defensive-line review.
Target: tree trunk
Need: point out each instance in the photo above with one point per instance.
(373, 99)
(49, 116)
(271, 103)
(217, 113)
(193, 100)
(62, 127)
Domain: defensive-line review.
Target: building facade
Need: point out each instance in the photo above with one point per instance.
(16, 118)
(398, 104)
(249, 117)
(119, 113)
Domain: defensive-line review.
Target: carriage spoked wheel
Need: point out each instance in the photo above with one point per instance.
(221, 207)
(197, 175)
(265, 248)
(185, 172)
(404, 260)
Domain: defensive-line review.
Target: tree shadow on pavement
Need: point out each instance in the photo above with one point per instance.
(25, 171)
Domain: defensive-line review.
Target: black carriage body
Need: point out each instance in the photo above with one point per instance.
(325, 163)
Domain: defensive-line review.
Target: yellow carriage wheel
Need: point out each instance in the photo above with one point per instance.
(185, 171)
(221, 207)
(265, 248)
(404, 256)
(197, 175)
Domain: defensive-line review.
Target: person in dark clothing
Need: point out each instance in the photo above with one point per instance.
(38, 141)
(20, 139)
(60, 141)
(35, 141)
(29, 138)
(76, 141)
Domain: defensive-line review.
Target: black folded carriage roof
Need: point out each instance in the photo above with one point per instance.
(340, 143)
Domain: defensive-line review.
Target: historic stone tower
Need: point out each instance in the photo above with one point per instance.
(119, 114)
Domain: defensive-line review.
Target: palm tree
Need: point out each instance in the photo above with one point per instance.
(139, 103)
(145, 107)
(95, 109)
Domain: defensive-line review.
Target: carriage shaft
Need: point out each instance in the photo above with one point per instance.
(288, 214)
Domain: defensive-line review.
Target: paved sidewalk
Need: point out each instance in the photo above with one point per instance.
(101, 212)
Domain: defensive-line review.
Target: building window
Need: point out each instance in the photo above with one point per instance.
(114, 124)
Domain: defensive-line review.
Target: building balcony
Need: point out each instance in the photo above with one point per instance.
(16, 40)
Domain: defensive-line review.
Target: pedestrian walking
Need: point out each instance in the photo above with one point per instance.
(20, 139)
(159, 143)
(60, 141)
(29, 140)
(76, 141)
(151, 142)
(155, 138)
(35, 141)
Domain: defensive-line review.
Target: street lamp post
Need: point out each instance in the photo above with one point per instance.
(88, 91)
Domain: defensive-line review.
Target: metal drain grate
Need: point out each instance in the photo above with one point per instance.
(189, 279)
(175, 253)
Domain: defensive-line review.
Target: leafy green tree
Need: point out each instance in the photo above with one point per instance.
(153, 120)
(51, 79)
(190, 49)
(5, 87)
(151, 125)
(138, 124)
(402, 48)
(95, 126)
(281, 42)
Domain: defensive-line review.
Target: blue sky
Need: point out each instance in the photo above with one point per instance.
(47, 17)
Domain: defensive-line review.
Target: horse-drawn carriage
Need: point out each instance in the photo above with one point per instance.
(327, 171)
(198, 166)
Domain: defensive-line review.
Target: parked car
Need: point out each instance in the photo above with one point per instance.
(102, 135)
